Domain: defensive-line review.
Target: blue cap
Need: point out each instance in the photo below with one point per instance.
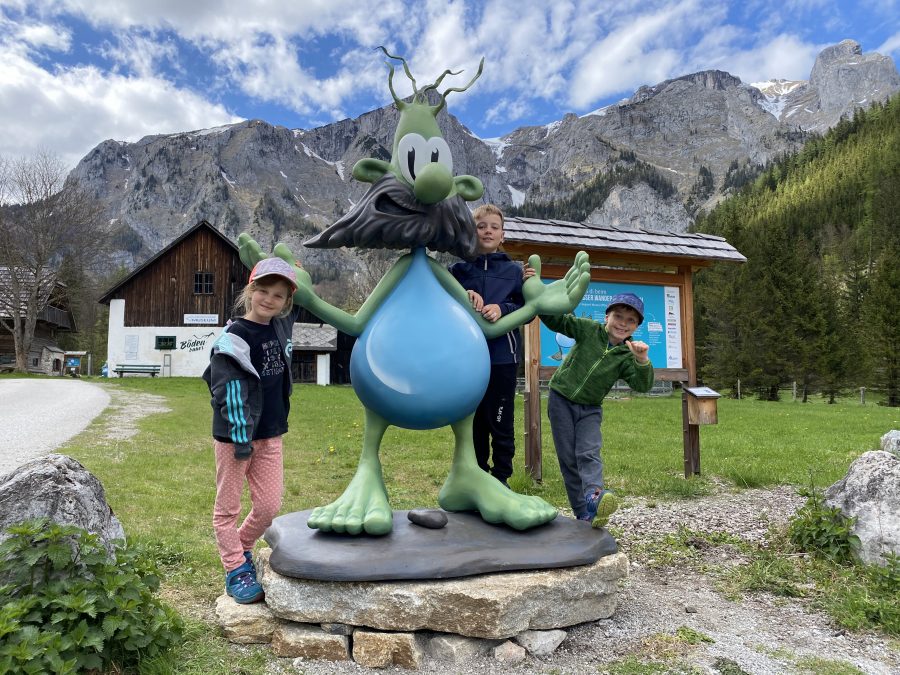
(628, 300)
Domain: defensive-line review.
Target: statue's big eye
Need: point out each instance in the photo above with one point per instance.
(414, 152)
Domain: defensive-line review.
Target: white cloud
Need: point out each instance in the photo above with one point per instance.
(640, 50)
(70, 111)
(141, 54)
(227, 20)
(39, 36)
(784, 56)
(890, 46)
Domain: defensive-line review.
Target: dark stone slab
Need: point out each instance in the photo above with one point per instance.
(466, 546)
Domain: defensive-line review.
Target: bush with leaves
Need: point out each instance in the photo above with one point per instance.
(67, 606)
(823, 530)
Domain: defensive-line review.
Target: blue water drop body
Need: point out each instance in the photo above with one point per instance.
(422, 362)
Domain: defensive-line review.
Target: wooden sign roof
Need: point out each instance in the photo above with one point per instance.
(673, 247)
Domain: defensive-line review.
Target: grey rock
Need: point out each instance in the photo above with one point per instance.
(338, 629)
(541, 642)
(641, 206)
(381, 650)
(493, 606)
(456, 648)
(890, 442)
(870, 492)
(309, 642)
(467, 546)
(61, 489)
(509, 652)
(245, 624)
(430, 518)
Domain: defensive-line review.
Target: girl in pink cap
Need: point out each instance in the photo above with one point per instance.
(249, 377)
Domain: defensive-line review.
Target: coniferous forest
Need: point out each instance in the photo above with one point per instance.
(818, 301)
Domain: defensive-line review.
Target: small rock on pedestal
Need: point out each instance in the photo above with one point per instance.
(245, 624)
(381, 650)
(310, 642)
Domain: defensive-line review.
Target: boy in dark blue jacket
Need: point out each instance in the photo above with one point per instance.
(494, 284)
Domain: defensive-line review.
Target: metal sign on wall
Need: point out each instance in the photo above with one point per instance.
(202, 319)
(661, 328)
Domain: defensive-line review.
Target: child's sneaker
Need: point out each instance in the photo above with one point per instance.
(248, 556)
(600, 504)
(241, 584)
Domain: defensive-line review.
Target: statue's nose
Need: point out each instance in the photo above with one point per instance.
(433, 183)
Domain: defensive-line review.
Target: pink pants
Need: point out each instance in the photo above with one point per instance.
(264, 472)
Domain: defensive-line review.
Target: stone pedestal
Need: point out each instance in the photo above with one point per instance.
(493, 606)
(399, 599)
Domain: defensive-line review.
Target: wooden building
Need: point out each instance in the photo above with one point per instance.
(45, 356)
(170, 310)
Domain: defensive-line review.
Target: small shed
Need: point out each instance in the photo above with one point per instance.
(313, 346)
(655, 265)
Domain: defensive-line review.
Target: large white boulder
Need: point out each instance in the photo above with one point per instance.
(61, 489)
(870, 492)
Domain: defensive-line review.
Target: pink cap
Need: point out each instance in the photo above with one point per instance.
(277, 267)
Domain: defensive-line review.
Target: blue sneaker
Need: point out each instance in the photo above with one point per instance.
(600, 505)
(241, 584)
(248, 556)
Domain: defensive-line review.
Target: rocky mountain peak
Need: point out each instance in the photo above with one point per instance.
(670, 149)
(706, 79)
(834, 55)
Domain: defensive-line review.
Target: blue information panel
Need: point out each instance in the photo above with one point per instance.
(661, 328)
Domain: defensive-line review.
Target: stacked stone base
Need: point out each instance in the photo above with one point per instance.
(400, 623)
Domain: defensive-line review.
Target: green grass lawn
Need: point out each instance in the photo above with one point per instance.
(161, 482)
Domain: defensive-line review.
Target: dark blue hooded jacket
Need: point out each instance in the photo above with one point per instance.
(498, 280)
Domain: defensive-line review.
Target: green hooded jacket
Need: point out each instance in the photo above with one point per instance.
(591, 369)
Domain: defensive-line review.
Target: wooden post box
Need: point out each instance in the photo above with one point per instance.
(702, 405)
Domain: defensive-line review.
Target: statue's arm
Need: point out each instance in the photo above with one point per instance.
(352, 324)
(560, 297)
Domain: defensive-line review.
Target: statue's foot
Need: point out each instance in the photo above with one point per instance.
(362, 508)
(471, 489)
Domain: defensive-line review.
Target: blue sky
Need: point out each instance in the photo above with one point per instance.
(76, 72)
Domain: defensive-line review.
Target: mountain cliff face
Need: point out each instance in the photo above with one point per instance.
(842, 79)
(284, 185)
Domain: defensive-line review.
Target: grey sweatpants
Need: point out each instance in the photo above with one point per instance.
(577, 437)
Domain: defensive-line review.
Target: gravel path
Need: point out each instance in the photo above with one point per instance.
(758, 635)
(38, 415)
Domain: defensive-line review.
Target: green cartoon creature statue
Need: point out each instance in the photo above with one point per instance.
(421, 359)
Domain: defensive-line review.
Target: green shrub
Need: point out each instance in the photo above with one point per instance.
(66, 606)
(823, 530)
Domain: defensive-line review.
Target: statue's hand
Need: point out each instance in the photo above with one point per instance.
(563, 295)
(305, 291)
(249, 250)
(251, 254)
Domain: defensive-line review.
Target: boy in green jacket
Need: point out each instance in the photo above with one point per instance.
(602, 354)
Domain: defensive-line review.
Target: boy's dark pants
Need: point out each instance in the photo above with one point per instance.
(577, 437)
(494, 420)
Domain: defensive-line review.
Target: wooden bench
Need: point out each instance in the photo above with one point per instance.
(144, 368)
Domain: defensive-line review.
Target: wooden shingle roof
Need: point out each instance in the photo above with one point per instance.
(314, 337)
(612, 238)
